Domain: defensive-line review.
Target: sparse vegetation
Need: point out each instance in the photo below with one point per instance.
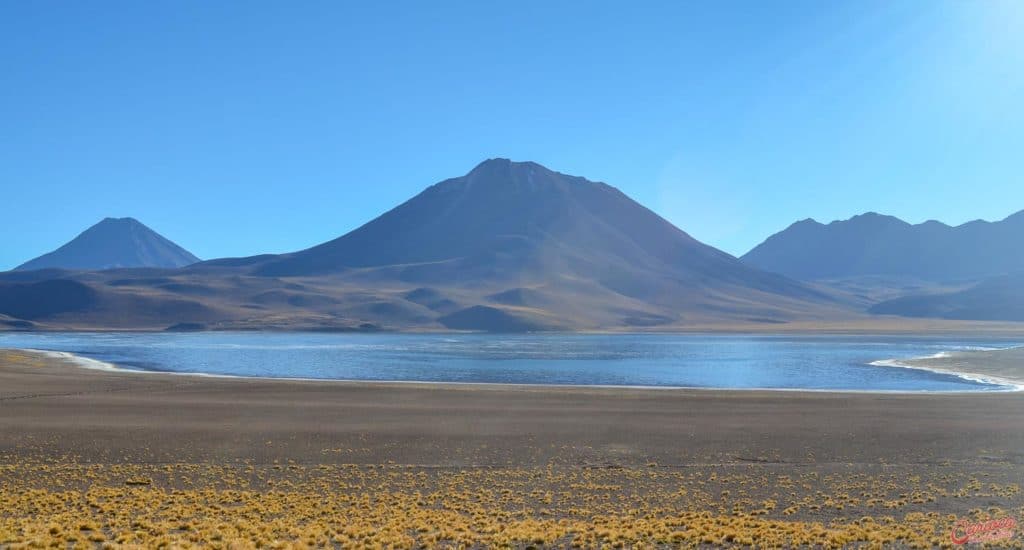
(64, 502)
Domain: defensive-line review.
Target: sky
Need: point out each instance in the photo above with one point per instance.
(238, 128)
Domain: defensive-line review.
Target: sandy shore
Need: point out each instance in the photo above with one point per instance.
(962, 454)
(91, 413)
(1002, 366)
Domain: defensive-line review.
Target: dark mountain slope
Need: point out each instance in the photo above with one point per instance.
(996, 299)
(70, 301)
(112, 243)
(877, 245)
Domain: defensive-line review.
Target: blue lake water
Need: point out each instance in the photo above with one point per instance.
(689, 360)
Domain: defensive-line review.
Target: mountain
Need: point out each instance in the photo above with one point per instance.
(875, 245)
(510, 246)
(518, 225)
(113, 243)
(996, 299)
(519, 220)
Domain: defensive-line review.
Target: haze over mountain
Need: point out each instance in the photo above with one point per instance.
(114, 243)
(509, 246)
(875, 245)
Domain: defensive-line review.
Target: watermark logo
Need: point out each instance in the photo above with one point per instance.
(967, 532)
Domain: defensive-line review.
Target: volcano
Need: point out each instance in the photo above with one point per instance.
(114, 243)
(554, 241)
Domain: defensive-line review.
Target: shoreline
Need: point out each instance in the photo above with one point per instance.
(981, 365)
(1011, 384)
(1005, 385)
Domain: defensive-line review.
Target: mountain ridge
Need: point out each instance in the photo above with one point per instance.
(873, 244)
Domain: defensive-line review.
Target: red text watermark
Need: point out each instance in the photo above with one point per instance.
(966, 531)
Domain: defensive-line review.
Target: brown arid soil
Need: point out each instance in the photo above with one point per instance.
(107, 459)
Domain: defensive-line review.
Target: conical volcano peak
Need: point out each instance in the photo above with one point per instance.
(112, 243)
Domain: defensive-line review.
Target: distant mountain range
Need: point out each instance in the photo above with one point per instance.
(113, 243)
(971, 271)
(509, 246)
(514, 246)
(876, 245)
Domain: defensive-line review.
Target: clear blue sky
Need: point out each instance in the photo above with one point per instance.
(248, 127)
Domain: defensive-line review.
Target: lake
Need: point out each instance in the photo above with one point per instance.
(668, 360)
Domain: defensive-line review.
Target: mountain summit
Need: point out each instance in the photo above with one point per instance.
(112, 243)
